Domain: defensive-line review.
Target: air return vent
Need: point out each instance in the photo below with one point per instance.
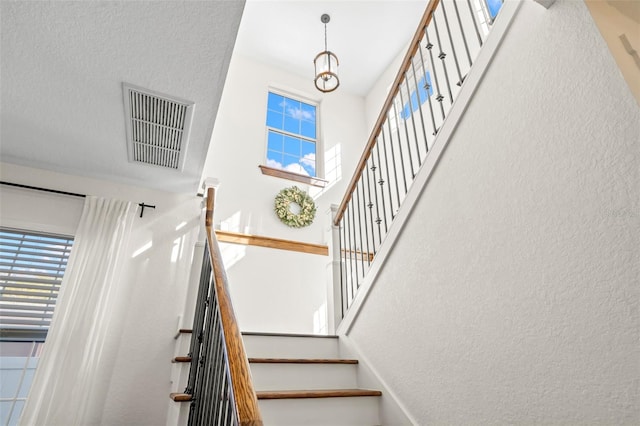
(157, 127)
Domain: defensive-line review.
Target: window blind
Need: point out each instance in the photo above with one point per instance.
(31, 269)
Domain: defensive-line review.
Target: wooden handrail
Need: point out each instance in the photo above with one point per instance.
(406, 62)
(244, 394)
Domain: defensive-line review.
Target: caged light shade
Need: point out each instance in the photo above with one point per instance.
(326, 65)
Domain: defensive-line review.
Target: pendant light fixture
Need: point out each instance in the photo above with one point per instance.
(326, 65)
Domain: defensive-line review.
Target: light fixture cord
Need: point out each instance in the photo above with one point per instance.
(325, 37)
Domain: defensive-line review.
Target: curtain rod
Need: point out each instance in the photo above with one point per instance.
(72, 194)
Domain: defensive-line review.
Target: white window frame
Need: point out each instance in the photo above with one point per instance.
(318, 179)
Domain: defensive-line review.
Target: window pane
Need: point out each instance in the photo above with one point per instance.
(310, 167)
(292, 146)
(17, 410)
(274, 159)
(274, 119)
(308, 129)
(291, 125)
(308, 148)
(494, 7)
(275, 141)
(275, 102)
(5, 407)
(308, 112)
(292, 108)
(288, 160)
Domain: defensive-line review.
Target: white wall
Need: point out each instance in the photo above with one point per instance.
(265, 278)
(138, 392)
(511, 295)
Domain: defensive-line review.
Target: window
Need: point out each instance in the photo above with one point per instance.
(31, 269)
(494, 7)
(291, 135)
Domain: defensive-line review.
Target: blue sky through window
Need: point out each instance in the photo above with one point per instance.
(494, 7)
(414, 103)
(291, 136)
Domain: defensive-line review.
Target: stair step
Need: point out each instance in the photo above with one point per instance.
(181, 397)
(301, 361)
(350, 407)
(267, 334)
(303, 373)
(181, 359)
(295, 346)
(320, 393)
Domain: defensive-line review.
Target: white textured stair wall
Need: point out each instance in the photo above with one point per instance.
(511, 295)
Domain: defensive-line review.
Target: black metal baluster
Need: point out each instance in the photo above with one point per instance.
(404, 174)
(395, 169)
(453, 47)
(352, 262)
(370, 203)
(464, 36)
(206, 390)
(355, 244)
(413, 119)
(439, 96)
(343, 267)
(442, 56)
(357, 207)
(366, 231)
(419, 100)
(347, 245)
(219, 360)
(201, 381)
(475, 24)
(198, 321)
(381, 183)
(427, 86)
(406, 132)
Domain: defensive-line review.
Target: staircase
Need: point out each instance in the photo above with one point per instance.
(301, 380)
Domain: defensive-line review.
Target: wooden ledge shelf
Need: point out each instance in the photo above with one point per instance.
(276, 243)
(181, 397)
(301, 361)
(283, 174)
(181, 359)
(330, 393)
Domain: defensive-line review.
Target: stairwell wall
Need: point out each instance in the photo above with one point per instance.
(275, 290)
(511, 294)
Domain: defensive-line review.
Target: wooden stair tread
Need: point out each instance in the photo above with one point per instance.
(270, 334)
(324, 393)
(301, 361)
(181, 359)
(181, 397)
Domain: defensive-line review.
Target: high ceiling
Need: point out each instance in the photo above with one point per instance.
(366, 35)
(63, 64)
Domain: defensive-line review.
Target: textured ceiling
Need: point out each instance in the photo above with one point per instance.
(63, 65)
(366, 35)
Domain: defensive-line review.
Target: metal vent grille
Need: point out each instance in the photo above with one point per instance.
(157, 127)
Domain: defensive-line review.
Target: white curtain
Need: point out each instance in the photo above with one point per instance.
(73, 373)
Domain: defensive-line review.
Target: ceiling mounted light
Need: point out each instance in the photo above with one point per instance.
(326, 65)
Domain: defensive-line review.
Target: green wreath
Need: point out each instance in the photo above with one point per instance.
(302, 199)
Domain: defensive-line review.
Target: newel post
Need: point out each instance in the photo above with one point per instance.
(186, 319)
(334, 298)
